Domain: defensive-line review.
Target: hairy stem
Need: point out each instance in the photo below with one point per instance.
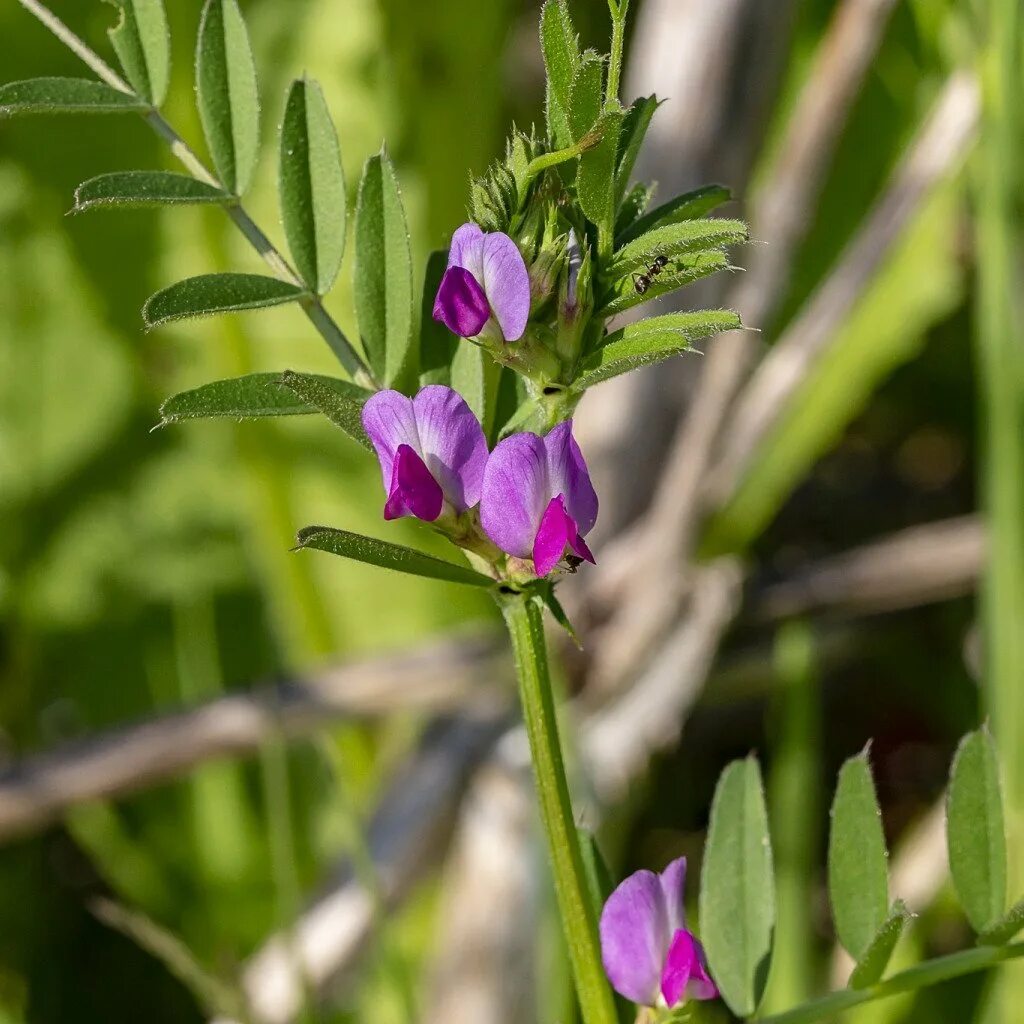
(922, 976)
(618, 12)
(311, 304)
(523, 618)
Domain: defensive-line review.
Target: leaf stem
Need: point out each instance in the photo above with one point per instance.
(311, 305)
(924, 975)
(618, 12)
(523, 618)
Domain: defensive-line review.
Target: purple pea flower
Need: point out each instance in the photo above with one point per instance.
(486, 275)
(431, 448)
(537, 500)
(647, 950)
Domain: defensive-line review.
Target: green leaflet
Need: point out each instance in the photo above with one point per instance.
(142, 43)
(676, 240)
(341, 402)
(227, 93)
(595, 180)
(217, 293)
(632, 206)
(250, 397)
(312, 187)
(685, 270)
(1006, 928)
(476, 377)
(663, 337)
(387, 555)
(546, 593)
(689, 206)
(737, 888)
(875, 958)
(975, 831)
(561, 49)
(586, 95)
(383, 275)
(636, 121)
(144, 188)
(858, 874)
(65, 96)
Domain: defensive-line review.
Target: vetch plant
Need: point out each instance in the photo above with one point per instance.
(469, 412)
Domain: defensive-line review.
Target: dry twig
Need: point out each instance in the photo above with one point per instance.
(440, 676)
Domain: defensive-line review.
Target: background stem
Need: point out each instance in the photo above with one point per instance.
(523, 618)
(922, 976)
(1001, 375)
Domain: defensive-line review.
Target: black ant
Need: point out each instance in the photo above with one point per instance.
(641, 282)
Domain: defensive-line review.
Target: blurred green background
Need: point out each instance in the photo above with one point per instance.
(140, 570)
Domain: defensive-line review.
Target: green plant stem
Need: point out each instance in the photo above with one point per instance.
(1001, 376)
(932, 972)
(525, 626)
(618, 12)
(311, 305)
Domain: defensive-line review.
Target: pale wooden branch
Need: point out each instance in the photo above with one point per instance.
(939, 150)
(407, 834)
(719, 64)
(483, 967)
(651, 583)
(918, 565)
(639, 575)
(615, 744)
(37, 790)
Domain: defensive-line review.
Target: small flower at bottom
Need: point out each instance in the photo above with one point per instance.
(486, 275)
(431, 448)
(537, 499)
(649, 955)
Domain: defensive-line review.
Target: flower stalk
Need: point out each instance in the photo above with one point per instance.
(522, 614)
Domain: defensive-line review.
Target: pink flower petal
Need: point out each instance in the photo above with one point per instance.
(515, 493)
(635, 937)
(673, 884)
(506, 283)
(452, 443)
(389, 421)
(568, 476)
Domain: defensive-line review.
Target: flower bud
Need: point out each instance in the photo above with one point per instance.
(575, 298)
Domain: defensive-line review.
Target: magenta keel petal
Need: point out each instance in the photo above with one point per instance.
(552, 537)
(461, 304)
(680, 964)
(413, 490)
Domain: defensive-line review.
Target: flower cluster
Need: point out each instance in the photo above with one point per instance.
(649, 955)
(531, 497)
(529, 503)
